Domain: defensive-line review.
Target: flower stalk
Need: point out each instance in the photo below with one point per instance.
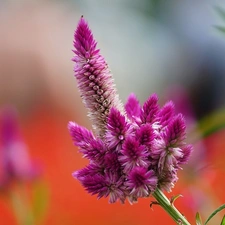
(169, 208)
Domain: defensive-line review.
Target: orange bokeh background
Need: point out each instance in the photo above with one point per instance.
(69, 203)
(36, 77)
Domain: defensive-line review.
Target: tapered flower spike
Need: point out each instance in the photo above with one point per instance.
(141, 182)
(133, 108)
(95, 81)
(150, 110)
(133, 155)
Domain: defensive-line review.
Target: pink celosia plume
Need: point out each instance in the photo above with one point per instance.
(94, 79)
(136, 148)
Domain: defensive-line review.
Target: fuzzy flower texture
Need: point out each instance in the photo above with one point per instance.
(134, 149)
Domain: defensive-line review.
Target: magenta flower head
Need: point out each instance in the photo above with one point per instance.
(15, 163)
(134, 149)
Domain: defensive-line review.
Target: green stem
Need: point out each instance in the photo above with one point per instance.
(20, 205)
(169, 207)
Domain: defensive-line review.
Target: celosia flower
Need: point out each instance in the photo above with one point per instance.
(135, 149)
(15, 162)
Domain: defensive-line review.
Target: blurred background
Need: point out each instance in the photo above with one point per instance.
(171, 48)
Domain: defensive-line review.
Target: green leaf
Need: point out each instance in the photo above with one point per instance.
(40, 200)
(212, 123)
(221, 12)
(214, 213)
(220, 28)
(198, 219)
(223, 221)
(174, 198)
